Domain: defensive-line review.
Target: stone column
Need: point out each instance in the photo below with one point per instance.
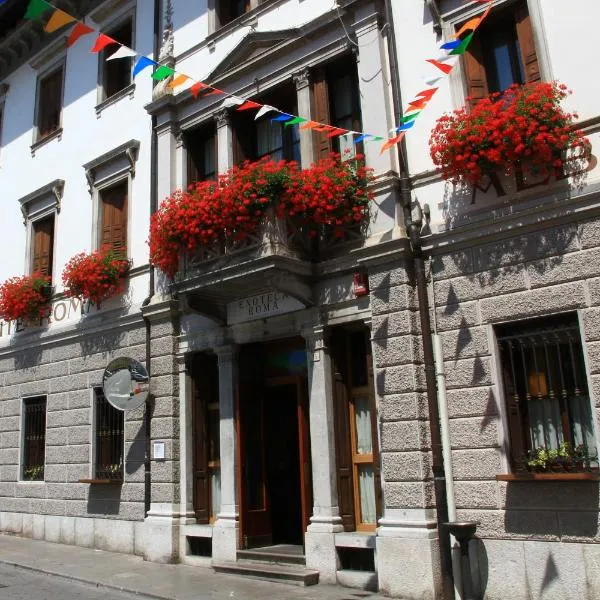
(224, 141)
(226, 529)
(325, 521)
(375, 92)
(307, 149)
(167, 133)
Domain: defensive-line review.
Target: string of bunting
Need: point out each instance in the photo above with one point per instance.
(443, 64)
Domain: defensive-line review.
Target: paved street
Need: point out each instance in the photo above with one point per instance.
(21, 584)
(30, 568)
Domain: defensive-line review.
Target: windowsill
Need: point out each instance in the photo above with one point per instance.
(583, 476)
(102, 481)
(55, 135)
(126, 91)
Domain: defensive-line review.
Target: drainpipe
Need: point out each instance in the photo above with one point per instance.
(437, 458)
(413, 227)
(151, 281)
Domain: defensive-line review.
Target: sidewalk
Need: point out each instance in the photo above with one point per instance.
(128, 573)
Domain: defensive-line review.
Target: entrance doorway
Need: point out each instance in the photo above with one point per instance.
(275, 486)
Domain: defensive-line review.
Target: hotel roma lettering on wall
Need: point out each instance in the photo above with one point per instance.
(66, 310)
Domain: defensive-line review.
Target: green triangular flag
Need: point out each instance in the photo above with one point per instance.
(295, 121)
(376, 139)
(162, 73)
(36, 8)
(463, 45)
(410, 118)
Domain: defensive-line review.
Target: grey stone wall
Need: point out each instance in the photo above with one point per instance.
(60, 508)
(536, 274)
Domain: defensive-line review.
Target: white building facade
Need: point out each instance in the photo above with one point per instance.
(291, 383)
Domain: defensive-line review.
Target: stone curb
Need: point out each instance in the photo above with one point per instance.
(98, 584)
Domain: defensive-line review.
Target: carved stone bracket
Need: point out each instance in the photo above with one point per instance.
(436, 16)
(223, 118)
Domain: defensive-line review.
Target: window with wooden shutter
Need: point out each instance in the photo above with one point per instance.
(34, 438)
(502, 53)
(113, 219)
(49, 103)
(206, 438)
(201, 146)
(116, 74)
(43, 246)
(320, 95)
(355, 423)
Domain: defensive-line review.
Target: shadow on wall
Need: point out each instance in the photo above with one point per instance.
(104, 500)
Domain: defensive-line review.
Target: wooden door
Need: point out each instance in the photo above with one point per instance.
(305, 458)
(43, 242)
(114, 218)
(255, 527)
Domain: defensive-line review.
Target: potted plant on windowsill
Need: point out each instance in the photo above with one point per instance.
(523, 130)
(563, 459)
(95, 276)
(25, 297)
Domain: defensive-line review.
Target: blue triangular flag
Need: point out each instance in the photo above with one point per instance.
(451, 45)
(283, 117)
(362, 137)
(142, 63)
(406, 126)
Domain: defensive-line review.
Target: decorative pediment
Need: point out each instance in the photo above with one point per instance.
(255, 45)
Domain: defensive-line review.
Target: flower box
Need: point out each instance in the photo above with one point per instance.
(25, 298)
(95, 276)
(523, 131)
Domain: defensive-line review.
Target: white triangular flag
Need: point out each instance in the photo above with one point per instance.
(231, 101)
(122, 52)
(263, 111)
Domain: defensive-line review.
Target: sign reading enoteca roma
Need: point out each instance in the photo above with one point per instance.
(261, 306)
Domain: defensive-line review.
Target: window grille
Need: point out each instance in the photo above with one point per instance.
(109, 439)
(545, 386)
(34, 438)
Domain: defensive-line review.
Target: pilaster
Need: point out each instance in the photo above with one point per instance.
(224, 141)
(226, 529)
(307, 150)
(325, 521)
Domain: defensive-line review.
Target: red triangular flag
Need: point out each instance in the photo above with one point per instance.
(440, 65)
(417, 104)
(196, 89)
(337, 131)
(199, 87)
(427, 94)
(249, 105)
(78, 31)
(102, 42)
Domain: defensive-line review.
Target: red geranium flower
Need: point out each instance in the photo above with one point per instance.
(24, 297)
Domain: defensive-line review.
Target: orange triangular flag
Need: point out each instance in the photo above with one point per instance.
(310, 125)
(179, 80)
(58, 19)
(337, 131)
(78, 31)
(102, 42)
(471, 25)
(392, 142)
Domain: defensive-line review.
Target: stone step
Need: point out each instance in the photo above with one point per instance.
(292, 574)
(272, 556)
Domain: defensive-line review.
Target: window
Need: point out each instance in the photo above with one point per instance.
(206, 438)
(43, 245)
(336, 101)
(264, 138)
(49, 106)
(201, 145)
(34, 438)
(502, 53)
(545, 386)
(228, 10)
(116, 74)
(113, 216)
(110, 425)
(359, 481)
